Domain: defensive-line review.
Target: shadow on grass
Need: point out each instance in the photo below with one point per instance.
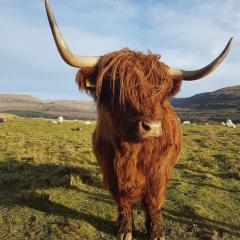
(18, 176)
(223, 174)
(19, 182)
(96, 196)
(208, 185)
(202, 222)
(41, 202)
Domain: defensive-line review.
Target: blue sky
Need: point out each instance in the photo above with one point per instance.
(187, 33)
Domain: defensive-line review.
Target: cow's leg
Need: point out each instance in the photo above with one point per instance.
(152, 202)
(105, 155)
(154, 224)
(125, 220)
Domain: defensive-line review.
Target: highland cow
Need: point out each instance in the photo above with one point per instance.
(138, 138)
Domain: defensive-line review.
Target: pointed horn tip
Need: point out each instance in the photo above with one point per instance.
(231, 41)
(200, 73)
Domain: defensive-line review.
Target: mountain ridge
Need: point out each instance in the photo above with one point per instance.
(228, 97)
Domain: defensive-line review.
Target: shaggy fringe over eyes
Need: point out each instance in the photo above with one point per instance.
(130, 73)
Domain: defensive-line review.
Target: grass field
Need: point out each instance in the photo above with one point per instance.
(50, 185)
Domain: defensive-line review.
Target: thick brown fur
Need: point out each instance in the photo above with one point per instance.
(130, 87)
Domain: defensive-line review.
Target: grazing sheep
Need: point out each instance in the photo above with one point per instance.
(186, 123)
(229, 124)
(60, 119)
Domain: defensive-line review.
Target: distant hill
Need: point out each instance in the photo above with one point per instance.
(214, 106)
(223, 98)
(26, 105)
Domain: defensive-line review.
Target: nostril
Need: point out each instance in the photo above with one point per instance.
(145, 126)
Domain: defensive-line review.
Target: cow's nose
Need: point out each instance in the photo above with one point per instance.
(150, 129)
(146, 126)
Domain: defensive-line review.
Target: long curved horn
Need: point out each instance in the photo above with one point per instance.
(65, 52)
(202, 72)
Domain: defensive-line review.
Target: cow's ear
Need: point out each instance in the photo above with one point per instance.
(176, 87)
(86, 79)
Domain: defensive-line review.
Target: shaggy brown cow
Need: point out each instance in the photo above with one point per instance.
(138, 137)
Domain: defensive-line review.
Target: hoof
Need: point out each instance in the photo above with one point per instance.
(161, 238)
(123, 236)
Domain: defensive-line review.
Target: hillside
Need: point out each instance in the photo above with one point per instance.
(198, 108)
(25, 105)
(206, 106)
(223, 98)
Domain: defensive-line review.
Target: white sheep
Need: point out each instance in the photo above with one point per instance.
(229, 124)
(60, 119)
(186, 123)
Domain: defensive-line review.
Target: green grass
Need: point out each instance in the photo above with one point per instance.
(50, 185)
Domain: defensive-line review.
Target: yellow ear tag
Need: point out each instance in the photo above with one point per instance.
(89, 84)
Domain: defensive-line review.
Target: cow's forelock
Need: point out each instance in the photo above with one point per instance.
(127, 78)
